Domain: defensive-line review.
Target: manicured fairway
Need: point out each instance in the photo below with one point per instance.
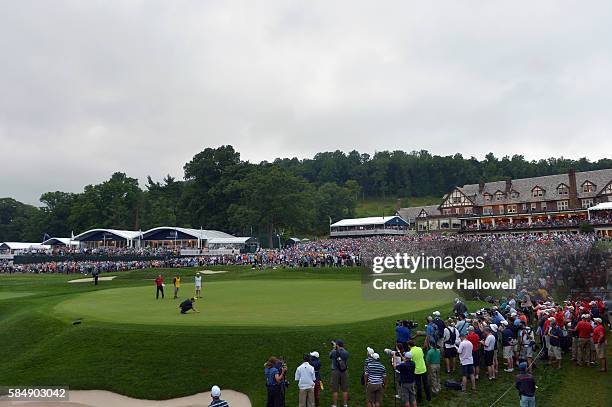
(5, 295)
(241, 303)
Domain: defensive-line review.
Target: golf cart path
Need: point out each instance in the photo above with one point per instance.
(103, 398)
(90, 279)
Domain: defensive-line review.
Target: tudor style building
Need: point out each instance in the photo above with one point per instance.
(557, 202)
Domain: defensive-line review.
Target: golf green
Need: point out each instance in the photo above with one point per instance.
(240, 303)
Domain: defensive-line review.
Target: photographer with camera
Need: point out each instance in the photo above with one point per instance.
(339, 372)
(275, 371)
(403, 332)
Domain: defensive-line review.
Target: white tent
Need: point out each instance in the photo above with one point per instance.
(604, 206)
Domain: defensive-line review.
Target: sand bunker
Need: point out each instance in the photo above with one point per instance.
(90, 280)
(101, 398)
(212, 271)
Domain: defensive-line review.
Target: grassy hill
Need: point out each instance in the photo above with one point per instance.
(386, 206)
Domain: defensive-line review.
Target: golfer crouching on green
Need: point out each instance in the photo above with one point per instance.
(188, 305)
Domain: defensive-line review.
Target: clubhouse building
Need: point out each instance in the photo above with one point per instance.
(559, 203)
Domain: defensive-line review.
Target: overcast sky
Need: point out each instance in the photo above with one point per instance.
(91, 87)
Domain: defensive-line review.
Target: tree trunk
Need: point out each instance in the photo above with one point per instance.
(270, 237)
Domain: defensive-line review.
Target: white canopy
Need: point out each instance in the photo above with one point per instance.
(604, 206)
(23, 246)
(66, 241)
(374, 220)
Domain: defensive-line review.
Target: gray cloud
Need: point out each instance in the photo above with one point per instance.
(88, 88)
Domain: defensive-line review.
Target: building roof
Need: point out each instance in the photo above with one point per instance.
(66, 241)
(123, 234)
(604, 206)
(412, 212)
(525, 186)
(374, 220)
(230, 240)
(201, 234)
(23, 246)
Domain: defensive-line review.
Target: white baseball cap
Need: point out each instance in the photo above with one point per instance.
(315, 354)
(215, 391)
(370, 351)
(436, 313)
(375, 356)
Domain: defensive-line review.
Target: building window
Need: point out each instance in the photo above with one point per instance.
(457, 211)
(608, 189)
(446, 211)
(562, 205)
(537, 191)
(499, 195)
(487, 197)
(514, 194)
(563, 189)
(511, 208)
(587, 203)
(543, 206)
(468, 211)
(534, 206)
(588, 186)
(524, 207)
(501, 208)
(487, 210)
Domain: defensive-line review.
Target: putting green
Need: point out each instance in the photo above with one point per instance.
(241, 303)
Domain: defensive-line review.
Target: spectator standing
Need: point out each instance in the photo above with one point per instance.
(474, 339)
(584, 331)
(407, 390)
(420, 371)
(376, 380)
(467, 362)
(215, 394)
(339, 372)
(525, 384)
(305, 376)
(599, 339)
(451, 338)
(433, 366)
(275, 382)
(176, 282)
(316, 364)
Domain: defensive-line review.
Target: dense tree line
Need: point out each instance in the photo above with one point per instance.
(286, 196)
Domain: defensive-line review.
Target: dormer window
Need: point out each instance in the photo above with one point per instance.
(487, 197)
(514, 194)
(537, 192)
(499, 196)
(588, 186)
(563, 189)
(608, 189)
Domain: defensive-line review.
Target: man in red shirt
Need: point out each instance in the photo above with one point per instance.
(584, 331)
(159, 283)
(599, 338)
(475, 340)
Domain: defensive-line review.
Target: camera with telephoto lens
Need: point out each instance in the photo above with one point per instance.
(407, 323)
(280, 364)
(390, 352)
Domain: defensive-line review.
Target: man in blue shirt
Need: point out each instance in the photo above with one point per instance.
(403, 333)
(555, 334)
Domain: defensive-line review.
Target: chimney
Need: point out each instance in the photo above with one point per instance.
(481, 186)
(398, 205)
(573, 190)
(508, 186)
